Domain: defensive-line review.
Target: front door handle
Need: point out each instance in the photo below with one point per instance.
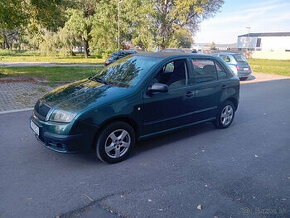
(189, 94)
(224, 86)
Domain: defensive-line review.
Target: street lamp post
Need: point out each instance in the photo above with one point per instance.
(248, 38)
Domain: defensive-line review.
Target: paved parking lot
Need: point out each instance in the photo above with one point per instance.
(16, 95)
(242, 171)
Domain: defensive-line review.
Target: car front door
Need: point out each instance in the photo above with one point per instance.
(162, 111)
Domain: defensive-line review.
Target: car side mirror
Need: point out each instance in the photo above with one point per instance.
(157, 87)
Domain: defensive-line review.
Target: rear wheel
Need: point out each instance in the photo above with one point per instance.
(225, 115)
(115, 142)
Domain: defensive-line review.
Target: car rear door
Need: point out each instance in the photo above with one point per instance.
(207, 89)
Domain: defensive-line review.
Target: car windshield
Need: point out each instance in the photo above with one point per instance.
(125, 72)
(240, 58)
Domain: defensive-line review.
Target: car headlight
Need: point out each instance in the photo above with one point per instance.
(62, 116)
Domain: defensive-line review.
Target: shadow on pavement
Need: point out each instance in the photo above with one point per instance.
(168, 139)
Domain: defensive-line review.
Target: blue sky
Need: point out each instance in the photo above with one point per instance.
(236, 15)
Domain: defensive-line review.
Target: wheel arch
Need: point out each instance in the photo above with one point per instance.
(234, 101)
(125, 119)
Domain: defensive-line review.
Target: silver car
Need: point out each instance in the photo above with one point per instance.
(238, 64)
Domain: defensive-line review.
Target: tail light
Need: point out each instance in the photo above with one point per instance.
(238, 68)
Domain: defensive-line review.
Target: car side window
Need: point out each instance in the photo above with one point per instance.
(225, 58)
(220, 71)
(203, 71)
(172, 74)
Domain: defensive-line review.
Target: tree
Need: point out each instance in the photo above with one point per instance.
(12, 17)
(135, 25)
(79, 27)
(49, 14)
(181, 39)
(85, 11)
(104, 27)
(171, 15)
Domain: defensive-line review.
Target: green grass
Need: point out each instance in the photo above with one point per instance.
(279, 67)
(29, 56)
(51, 74)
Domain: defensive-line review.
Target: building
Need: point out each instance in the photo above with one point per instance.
(276, 41)
(219, 47)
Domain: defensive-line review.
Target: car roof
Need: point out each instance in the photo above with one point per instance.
(165, 55)
(227, 53)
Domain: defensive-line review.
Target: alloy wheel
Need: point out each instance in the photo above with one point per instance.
(117, 143)
(227, 115)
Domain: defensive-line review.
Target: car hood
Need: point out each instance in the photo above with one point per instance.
(82, 94)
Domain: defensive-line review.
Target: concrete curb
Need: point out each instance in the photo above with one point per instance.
(48, 64)
(14, 111)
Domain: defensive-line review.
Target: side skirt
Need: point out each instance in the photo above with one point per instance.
(175, 128)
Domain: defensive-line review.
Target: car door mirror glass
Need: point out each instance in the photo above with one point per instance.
(157, 87)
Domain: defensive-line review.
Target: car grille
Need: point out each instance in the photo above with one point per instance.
(41, 110)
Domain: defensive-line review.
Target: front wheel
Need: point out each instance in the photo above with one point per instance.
(115, 142)
(225, 115)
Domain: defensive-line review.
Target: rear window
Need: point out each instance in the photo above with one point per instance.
(240, 58)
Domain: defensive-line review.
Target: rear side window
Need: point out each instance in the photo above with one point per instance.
(203, 71)
(222, 74)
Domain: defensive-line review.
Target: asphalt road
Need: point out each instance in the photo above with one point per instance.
(242, 171)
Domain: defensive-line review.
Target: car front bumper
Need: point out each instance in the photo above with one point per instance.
(63, 143)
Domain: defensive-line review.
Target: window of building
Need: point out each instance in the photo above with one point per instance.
(258, 45)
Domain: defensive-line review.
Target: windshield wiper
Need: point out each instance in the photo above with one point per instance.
(98, 80)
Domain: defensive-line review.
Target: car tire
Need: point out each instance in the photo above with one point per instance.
(225, 115)
(243, 78)
(115, 142)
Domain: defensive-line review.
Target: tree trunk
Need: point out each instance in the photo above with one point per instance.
(19, 45)
(163, 27)
(86, 48)
(72, 52)
(6, 43)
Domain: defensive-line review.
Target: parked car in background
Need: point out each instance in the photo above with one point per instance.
(136, 97)
(183, 50)
(172, 50)
(117, 55)
(238, 64)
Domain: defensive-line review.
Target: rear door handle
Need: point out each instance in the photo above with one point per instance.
(189, 94)
(224, 86)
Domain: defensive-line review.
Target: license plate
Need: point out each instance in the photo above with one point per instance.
(34, 128)
(246, 68)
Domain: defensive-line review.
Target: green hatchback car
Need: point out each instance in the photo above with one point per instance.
(136, 97)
